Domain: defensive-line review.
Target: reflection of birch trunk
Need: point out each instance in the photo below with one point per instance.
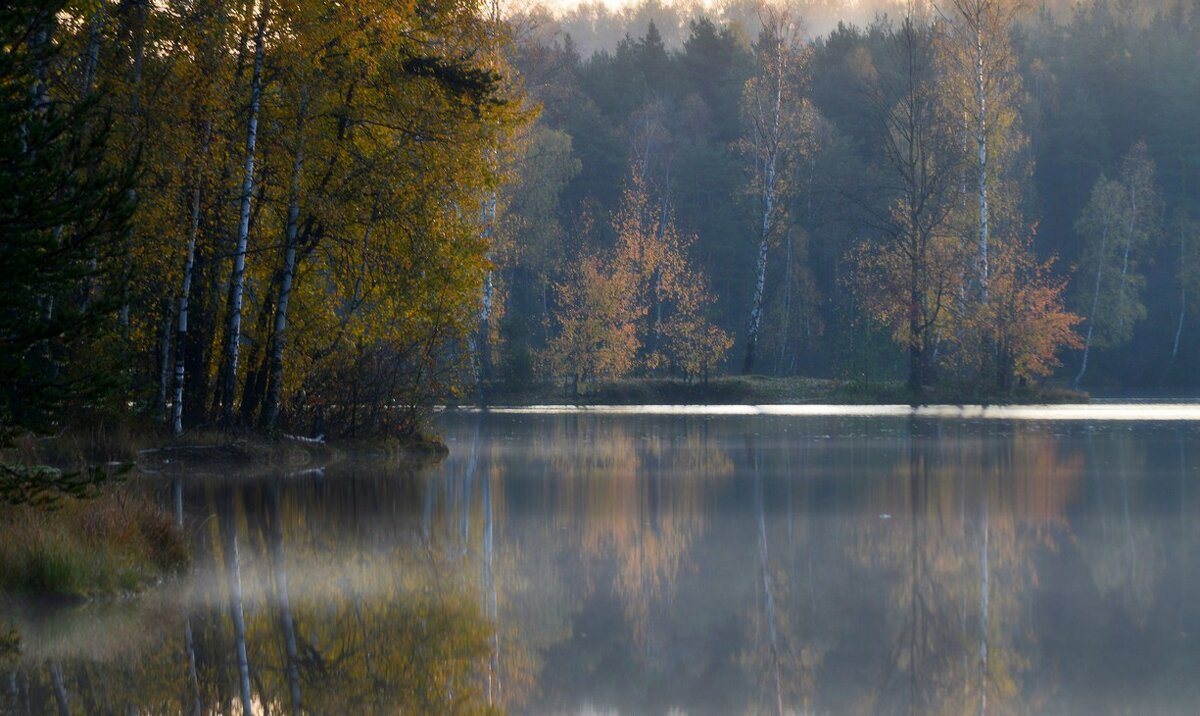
(768, 595)
(916, 545)
(189, 643)
(60, 691)
(427, 508)
(233, 570)
(1182, 515)
(189, 648)
(285, 604)
(1128, 531)
(983, 614)
(468, 481)
(494, 691)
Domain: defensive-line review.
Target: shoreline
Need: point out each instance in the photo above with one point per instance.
(766, 391)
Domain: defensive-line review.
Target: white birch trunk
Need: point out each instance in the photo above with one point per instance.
(489, 290)
(1182, 310)
(1087, 341)
(237, 279)
(92, 53)
(164, 361)
(275, 379)
(769, 155)
(185, 293)
(982, 141)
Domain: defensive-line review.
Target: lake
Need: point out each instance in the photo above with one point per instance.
(671, 561)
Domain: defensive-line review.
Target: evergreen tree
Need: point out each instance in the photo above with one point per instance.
(64, 223)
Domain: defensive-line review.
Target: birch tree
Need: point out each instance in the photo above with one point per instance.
(983, 85)
(1187, 232)
(1116, 226)
(237, 279)
(774, 120)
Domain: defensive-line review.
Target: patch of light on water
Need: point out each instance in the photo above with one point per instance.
(1091, 412)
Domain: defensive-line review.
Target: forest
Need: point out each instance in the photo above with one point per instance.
(321, 219)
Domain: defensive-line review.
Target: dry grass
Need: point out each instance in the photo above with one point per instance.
(117, 542)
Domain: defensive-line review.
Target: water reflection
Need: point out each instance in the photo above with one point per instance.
(567, 563)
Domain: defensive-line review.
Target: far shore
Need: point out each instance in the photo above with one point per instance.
(764, 390)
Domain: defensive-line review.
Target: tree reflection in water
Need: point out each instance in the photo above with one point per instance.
(633, 563)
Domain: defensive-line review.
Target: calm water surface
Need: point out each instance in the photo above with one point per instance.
(868, 563)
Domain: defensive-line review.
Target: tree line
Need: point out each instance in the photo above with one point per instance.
(319, 219)
(912, 198)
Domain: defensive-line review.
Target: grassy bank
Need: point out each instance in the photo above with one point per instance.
(763, 390)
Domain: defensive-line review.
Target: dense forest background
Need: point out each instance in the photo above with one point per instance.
(321, 218)
(1096, 80)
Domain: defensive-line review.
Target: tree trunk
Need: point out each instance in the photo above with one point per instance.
(485, 312)
(769, 148)
(185, 293)
(164, 362)
(756, 303)
(1087, 341)
(982, 140)
(237, 280)
(275, 380)
(91, 58)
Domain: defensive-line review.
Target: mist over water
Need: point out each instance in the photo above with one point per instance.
(851, 560)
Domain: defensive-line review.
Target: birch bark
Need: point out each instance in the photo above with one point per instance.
(239, 259)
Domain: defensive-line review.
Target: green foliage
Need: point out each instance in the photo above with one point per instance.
(64, 223)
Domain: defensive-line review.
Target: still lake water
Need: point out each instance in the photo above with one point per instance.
(686, 562)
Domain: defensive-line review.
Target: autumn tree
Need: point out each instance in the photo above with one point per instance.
(1028, 318)
(669, 292)
(300, 217)
(597, 317)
